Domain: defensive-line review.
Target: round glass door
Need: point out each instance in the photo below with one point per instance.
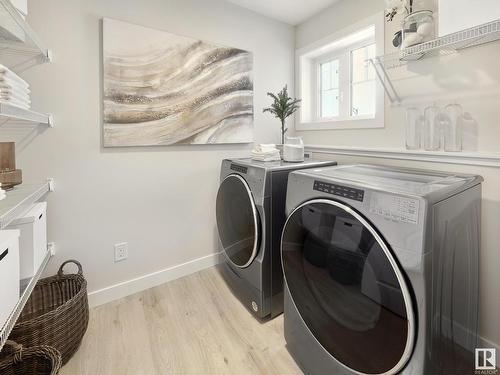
(237, 221)
(348, 288)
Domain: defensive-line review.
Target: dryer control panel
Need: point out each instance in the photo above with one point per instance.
(341, 191)
(239, 168)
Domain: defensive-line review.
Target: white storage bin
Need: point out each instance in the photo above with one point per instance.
(33, 241)
(9, 273)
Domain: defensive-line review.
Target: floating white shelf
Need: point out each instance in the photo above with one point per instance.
(16, 113)
(463, 158)
(20, 47)
(19, 200)
(445, 45)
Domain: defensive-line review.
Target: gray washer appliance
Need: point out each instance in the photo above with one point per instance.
(250, 212)
(381, 270)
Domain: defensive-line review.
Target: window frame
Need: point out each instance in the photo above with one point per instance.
(344, 56)
(308, 75)
(352, 83)
(316, 99)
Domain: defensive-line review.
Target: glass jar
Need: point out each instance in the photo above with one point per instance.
(453, 128)
(293, 149)
(432, 128)
(414, 125)
(418, 27)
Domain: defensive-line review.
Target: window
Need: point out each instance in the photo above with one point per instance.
(337, 84)
(362, 85)
(329, 89)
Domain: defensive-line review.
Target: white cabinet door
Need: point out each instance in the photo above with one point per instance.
(457, 15)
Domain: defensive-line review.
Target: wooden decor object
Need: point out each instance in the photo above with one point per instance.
(7, 156)
(9, 175)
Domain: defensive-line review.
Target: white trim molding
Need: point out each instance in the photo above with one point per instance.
(126, 288)
(463, 158)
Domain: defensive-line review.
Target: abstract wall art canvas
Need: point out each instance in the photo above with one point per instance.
(165, 89)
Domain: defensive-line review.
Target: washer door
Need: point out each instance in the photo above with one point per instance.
(237, 221)
(348, 288)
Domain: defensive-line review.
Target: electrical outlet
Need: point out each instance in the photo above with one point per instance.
(121, 251)
(51, 248)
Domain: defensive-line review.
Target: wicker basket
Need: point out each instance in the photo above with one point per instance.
(56, 314)
(39, 360)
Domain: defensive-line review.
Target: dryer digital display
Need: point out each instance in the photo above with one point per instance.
(239, 168)
(341, 191)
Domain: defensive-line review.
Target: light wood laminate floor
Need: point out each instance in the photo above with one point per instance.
(193, 325)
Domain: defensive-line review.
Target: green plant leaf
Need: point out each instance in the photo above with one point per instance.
(282, 107)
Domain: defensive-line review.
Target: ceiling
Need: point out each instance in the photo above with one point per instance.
(293, 12)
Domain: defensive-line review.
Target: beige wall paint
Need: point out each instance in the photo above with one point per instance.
(160, 200)
(472, 79)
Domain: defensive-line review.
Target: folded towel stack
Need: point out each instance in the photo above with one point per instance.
(13, 89)
(266, 152)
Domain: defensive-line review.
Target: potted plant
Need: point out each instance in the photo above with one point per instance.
(282, 108)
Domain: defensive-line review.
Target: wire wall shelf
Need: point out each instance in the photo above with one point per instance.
(17, 202)
(20, 46)
(446, 45)
(27, 287)
(15, 113)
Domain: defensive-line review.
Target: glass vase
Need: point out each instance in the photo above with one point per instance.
(414, 125)
(418, 27)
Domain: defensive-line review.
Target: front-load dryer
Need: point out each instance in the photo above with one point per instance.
(381, 270)
(250, 211)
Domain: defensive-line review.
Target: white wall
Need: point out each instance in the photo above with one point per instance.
(160, 200)
(473, 80)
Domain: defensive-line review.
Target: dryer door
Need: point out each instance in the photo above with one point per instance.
(237, 221)
(348, 288)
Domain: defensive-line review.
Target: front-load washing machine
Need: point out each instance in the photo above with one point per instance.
(381, 270)
(250, 211)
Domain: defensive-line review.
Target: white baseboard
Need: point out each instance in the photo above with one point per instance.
(126, 288)
(462, 336)
(485, 343)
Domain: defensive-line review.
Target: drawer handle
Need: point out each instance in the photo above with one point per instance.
(4, 254)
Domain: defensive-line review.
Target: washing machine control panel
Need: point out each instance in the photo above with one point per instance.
(341, 191)
(396, 208)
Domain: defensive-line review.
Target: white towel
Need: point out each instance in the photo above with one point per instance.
(14, 85)
(15, 96)
(266, 158)
(6, 87)
(19, 104)
(266, 153)
(265, 147)
(10, 78)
